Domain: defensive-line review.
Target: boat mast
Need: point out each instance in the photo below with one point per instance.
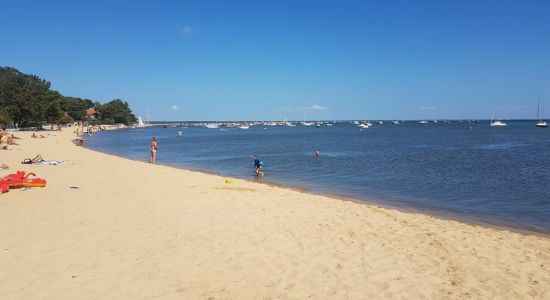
(538, 111)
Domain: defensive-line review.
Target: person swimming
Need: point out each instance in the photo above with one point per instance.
(258, 165)
(317, 154)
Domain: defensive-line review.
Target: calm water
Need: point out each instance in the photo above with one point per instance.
(494, 175)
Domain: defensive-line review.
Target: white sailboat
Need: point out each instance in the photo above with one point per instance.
(140, 122)
(288, 124)
(540, 123)
(496, 123)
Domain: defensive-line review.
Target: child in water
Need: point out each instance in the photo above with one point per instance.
(258, 164)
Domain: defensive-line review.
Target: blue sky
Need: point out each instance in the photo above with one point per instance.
(224, 60)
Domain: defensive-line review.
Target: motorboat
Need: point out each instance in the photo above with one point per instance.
(497, 123)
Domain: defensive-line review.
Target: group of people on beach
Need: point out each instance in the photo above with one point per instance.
(6, 139)
(35, 136)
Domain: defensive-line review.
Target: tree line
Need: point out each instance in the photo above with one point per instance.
(26, 100)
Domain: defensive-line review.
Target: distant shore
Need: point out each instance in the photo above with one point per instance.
(108, 227)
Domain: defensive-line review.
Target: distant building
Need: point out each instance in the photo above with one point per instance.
(92, 113)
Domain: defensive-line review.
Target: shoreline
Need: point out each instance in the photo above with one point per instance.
(136, 230)
(473, 221)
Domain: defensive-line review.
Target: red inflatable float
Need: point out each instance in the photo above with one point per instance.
(19, 180)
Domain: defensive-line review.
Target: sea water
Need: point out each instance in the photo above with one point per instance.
(471, 171)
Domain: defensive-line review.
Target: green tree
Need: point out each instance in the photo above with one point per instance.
(76, 107)
(27, 100)
(116, 111)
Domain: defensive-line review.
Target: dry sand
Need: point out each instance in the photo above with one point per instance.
(138, 231)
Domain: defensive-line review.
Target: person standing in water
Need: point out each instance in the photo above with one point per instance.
(258, 165)
(153, 146)
(180, 133)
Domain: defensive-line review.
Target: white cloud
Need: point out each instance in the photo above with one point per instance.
(316, 107)
(187, 31)
(174, 107)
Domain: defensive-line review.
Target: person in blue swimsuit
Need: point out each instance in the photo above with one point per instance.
(258, 165)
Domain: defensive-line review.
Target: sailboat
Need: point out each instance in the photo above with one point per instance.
(540, 123)
(140, 122)
(496, 123)
(288, 124)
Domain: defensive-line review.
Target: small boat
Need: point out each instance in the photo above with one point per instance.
(365, 125)
(540, 123)
(395, 122)
(288, 124)
(244, 126)
(497, 123)
(211, 125)
(306, 123)
(423, 122)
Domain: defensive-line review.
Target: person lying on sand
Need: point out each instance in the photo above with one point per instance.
(37, 159)
(11, 141)
(34, 136)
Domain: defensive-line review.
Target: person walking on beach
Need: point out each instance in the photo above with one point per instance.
(153, 147)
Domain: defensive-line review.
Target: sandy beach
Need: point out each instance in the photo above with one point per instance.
(131, 230)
